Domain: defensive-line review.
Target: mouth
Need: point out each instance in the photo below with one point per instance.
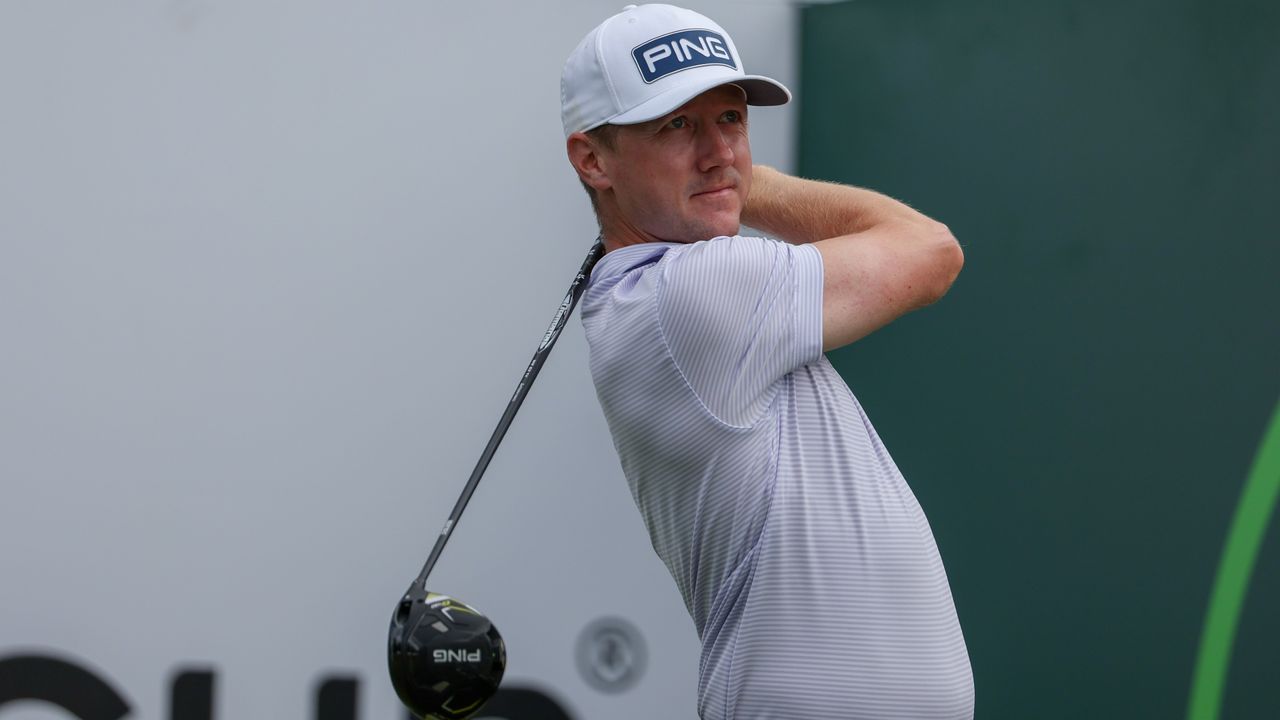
(716, 193)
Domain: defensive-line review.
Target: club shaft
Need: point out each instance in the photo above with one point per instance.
(576, 289)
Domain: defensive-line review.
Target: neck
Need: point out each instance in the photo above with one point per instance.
(618, 232)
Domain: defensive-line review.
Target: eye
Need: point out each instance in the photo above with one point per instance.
(732, 116)
(678, 123)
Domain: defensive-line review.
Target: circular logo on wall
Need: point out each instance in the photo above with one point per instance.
(611, 654)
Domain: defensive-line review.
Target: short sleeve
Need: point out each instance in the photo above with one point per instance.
(738, 314)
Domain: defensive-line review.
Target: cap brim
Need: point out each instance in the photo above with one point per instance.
(760, 90)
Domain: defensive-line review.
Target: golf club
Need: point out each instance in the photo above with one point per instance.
(446, 658)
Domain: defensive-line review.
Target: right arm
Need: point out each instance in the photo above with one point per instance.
(881, 259)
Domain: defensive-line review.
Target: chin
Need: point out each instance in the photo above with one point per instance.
(700, 235)
(726, 228)
(704, 226)
(729, 231)
(715, 227)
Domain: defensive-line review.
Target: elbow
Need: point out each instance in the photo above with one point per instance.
(954, 257)
(948, 259)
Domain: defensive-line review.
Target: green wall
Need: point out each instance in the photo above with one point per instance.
(1080, 414)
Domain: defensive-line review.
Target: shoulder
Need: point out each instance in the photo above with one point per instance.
(724, 267)
(722, 257)
(724, 249)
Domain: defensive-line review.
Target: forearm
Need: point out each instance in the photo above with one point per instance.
(803, 211)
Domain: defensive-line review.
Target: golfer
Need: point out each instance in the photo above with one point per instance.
(803, 557)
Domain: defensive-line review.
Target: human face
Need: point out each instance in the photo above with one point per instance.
(683, 177)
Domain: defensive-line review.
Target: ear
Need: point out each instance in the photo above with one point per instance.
(588, 159)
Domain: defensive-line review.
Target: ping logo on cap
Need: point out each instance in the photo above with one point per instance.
(681, 50)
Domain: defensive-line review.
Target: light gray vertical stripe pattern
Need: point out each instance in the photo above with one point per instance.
(805, 561)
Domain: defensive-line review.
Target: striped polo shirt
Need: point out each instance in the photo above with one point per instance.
(804, 559)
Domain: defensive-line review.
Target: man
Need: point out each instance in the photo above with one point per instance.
(804, 559)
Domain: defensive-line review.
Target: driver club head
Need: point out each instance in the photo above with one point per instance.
(446, 658)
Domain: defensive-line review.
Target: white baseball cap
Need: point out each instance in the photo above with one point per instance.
(648, 60)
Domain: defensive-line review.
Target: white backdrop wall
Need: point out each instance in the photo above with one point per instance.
(269, 272)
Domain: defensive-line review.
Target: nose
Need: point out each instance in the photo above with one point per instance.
(714, 149)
